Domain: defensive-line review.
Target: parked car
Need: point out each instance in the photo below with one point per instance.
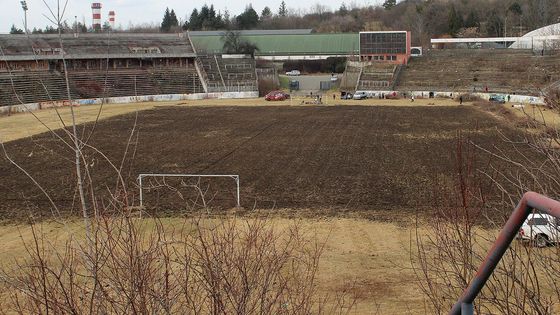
(360, 95)
(540, 230)
(293, 73)
(496, 98)
(346, 96)
(277, 96)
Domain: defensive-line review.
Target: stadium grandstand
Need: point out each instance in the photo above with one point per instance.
(111, 65)
(382, 56)
(472, 70)
(101, 66)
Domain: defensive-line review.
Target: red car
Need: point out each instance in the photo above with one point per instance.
(277, 96)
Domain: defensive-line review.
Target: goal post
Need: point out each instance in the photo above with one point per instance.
(142, 176)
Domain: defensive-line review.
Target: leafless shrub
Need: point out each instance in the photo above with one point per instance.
(203, 266)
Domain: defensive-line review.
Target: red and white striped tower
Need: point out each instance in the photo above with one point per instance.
(96, 11)
(112, 19)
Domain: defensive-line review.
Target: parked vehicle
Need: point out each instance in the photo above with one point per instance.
(277, 96)
(360, 95)
(540, 230)
(496, 98)
(293, 73)
(346, 96)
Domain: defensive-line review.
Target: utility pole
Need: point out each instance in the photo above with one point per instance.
(505, 32)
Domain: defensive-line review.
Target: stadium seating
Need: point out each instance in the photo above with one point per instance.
(377, 76)
(468, 70)
(41, 86)
(229, 74)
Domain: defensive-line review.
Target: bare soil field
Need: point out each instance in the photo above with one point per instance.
(328, 160)
(27, 124)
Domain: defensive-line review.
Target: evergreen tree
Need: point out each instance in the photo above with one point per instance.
(226, 19)
(166, 23)
(194, 23)
(248, 19)
(472, 20)
(170, 21)
(389, 4)
(283, 11)
(15, 30)
(494, 24)
(516, 9)
(173, 21)
(343, 10)
(455, 21)
(266, 14)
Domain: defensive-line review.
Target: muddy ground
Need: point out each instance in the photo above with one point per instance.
(325, 159)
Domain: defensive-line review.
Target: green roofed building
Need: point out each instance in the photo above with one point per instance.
(284, 44)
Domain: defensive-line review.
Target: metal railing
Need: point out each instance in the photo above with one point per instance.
(530, 201)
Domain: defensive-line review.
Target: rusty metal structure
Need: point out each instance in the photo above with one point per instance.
(530, 201)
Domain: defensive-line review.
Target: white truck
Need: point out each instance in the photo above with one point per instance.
(540, 230)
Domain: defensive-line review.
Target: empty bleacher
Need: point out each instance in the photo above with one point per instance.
(32, 87)
(42, 86)
(229, 74)
(135, 82)
(505, 70)
(377, 76)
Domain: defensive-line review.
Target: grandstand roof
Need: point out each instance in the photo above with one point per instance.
(93, 46)
(255, 32)
(287, 44)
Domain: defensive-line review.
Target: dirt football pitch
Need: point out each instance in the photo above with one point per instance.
(326, 160)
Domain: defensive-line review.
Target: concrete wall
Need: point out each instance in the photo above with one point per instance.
(5, 110)
(522, 99)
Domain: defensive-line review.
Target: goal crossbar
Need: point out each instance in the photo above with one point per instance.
(142, 176)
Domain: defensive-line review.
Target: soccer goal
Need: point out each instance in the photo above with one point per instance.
(142, 176)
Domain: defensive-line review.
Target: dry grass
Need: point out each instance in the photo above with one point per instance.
(25, 124)
(539, 113)
(371, 258)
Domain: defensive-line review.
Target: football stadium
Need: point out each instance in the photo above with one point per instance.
(283, 171)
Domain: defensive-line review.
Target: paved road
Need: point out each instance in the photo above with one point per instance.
(310, 82)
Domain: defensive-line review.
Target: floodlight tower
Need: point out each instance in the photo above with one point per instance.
(25, 8)
(96, 14)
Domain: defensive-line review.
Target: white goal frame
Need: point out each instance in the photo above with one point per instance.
(142, 176)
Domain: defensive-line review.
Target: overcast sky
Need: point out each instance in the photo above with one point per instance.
(141, 11)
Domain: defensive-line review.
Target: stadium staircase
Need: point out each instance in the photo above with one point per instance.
(469, 70)
(350, 78)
